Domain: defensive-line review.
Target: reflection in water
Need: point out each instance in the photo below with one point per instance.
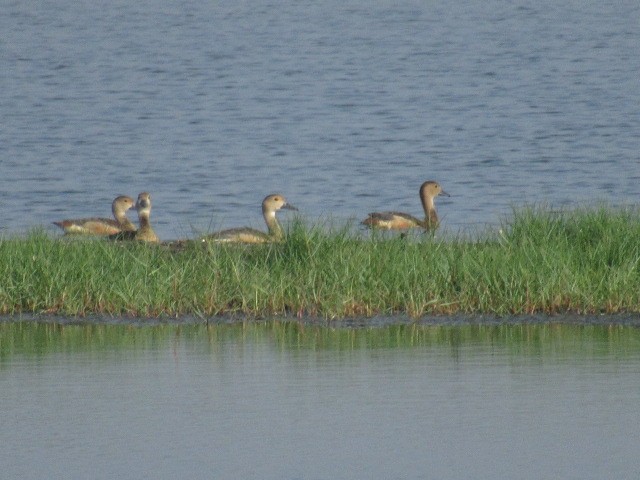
(30, 338)
(284, 400)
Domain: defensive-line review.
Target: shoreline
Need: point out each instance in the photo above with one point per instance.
(614, 320)
(541, 263)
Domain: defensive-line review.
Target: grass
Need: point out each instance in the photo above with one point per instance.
(580, 261)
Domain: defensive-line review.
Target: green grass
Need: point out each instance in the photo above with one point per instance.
(581, 261)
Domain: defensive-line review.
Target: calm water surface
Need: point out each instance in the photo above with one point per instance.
(287, 401)
(345, 107)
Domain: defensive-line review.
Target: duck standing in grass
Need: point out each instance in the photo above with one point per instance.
(403, 221)
(145, 233)
(102, 226)
(270, 205)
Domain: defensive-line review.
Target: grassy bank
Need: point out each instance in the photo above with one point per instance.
(583, 261)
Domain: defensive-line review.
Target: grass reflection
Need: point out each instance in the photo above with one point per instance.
(41, 339)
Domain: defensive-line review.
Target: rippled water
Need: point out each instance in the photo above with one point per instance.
(345, 107)
(288, 401)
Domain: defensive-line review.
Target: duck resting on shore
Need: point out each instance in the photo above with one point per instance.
(102, 226)
(403, 221)
(145, 233)
(270, 205)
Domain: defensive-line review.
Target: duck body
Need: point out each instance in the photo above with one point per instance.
(240, 235)
(392, 221)
(270, 205)
(89, 226)
(403, 221)
(146, 234)
(101, 226)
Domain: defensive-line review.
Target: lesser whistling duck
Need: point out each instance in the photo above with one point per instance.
(270, 205)
(402, 221)
(102, 226)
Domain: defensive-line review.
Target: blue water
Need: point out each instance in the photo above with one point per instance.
(344, 107)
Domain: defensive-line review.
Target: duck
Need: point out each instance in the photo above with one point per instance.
(145, 233)
(270, 205)
(102, 226)
(403, 221)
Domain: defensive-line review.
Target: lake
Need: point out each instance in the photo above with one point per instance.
(344, 107)
(285, 400)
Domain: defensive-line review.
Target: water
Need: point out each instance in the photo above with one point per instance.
(345, 107)
(288, 401)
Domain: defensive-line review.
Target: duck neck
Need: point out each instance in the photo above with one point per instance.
(430, 215)
(125, 224)
(275, 230)
(120, 215)
(143, 219)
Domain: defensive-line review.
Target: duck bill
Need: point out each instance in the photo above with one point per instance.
(288, 206)
(442, 192)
